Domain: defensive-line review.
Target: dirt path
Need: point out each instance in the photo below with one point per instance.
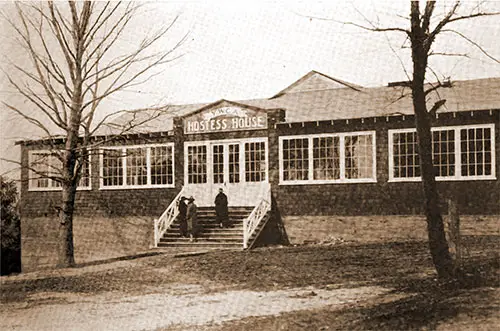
(181, 306)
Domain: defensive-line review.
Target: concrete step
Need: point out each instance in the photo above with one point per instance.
(174, 234)
(210, 226)
(202, 239)
(201, 244)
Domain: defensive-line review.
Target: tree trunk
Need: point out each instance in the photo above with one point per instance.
(454, 231)
(435, 228)
(66, 247)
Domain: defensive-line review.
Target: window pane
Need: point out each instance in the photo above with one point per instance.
(161, 165)
(234, 163)
(326, 158)
(112, 167)
(85, 171)
(295, 166)
(137, 173)
(359, 156)
(443, 152)
(218, 163)
(197, 164)
(255, 162)
(476, 151)
(405, 155)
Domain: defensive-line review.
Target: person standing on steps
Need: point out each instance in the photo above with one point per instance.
(183, 227)
(192, 219)
(221, 211)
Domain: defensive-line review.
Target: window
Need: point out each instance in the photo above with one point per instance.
(328, 158)
(197, 164)
(45, 164)
(112, 167)
(137, 171)
(295, 159)
(359, 156)
(255, 161)
(162, 171)
(443, 152)
(137, 166)
(476, 151)
(464, 152)
(218, 164)
(405, 156)
(234, 163)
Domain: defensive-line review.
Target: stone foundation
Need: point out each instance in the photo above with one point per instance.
(316, 229)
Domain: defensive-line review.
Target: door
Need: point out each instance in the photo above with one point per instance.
(239, 167)
(226, 169)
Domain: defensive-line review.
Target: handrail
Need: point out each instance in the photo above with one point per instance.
(166, 219)
(253, 220)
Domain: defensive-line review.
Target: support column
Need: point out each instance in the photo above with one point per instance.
(178, 152)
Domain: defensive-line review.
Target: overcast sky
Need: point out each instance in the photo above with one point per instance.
(237, 50)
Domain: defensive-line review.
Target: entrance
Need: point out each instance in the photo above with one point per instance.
(239, 167)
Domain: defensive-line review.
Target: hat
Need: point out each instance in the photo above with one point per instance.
(191, 198)
(183, 198)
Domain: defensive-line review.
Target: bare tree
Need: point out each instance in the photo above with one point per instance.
(424, 28)
(74, 67)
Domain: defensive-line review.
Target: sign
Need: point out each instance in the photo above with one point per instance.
(229, 118)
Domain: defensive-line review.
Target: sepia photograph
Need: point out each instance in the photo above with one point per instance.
(250, 165)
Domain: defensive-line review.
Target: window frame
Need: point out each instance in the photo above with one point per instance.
(342, 161)
(123, 156)
(53, 188)
(457, 153)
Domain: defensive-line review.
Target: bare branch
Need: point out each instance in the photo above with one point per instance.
(474, 44)
(459, 18)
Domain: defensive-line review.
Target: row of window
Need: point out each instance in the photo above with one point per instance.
(465, 152)
(46, 166)
(323, 158)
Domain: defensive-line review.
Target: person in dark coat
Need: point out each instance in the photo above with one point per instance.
(221, 212)
(192, 219)
(183, 227)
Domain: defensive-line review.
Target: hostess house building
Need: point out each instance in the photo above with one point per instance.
(319, 147)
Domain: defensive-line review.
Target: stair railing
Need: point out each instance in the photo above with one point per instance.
(251, 223)
(166, 219)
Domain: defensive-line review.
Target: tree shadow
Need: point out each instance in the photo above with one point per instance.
(429, 302)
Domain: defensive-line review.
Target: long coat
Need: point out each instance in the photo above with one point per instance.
(221, 207)
(182, 218)
(192, 218)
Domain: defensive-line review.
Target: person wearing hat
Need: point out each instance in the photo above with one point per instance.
(221, 212)
(183, 227)
(192, 219)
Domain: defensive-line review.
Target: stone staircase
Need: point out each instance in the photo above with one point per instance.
(210, 234)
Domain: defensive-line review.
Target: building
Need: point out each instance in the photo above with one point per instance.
(319, 147)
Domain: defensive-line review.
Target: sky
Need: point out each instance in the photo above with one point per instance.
(244, 50)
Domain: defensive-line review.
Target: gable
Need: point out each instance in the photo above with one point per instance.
(224, 116)
(316, 81)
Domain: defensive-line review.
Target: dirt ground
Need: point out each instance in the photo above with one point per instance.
(343, 286)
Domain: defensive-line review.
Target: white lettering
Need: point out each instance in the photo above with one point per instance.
(260, 122)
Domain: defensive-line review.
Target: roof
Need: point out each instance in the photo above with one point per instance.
(334, 103)
(316, 81)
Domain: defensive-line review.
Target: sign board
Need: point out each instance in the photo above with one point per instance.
(226, 118)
